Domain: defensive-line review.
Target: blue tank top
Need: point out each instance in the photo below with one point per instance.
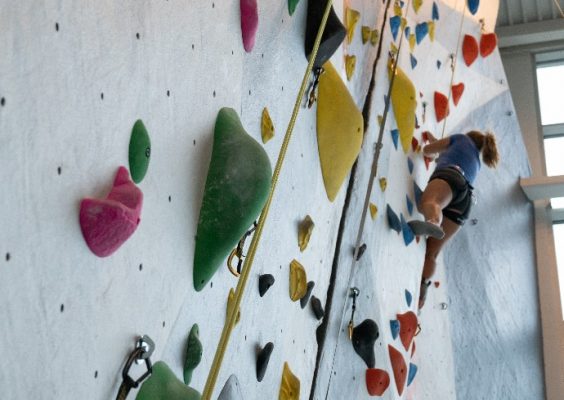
(461, 152)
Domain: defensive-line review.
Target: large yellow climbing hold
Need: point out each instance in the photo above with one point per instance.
(290, 385)
(431, 26)
(267, 127)
(417, 5)
(404, 103)
(350, 64)
(304, 232)
(340, 129)
(230, 305)
(298, 281)
(351, 19)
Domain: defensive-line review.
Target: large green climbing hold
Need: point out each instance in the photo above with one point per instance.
(139, 151)
(164, 385)
(193, 353)
(236, 189)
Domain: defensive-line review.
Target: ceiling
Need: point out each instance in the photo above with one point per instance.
(515, 12)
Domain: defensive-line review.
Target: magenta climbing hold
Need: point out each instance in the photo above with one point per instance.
(408, 326)
(107, 223)
(249, 23)
(377, 381)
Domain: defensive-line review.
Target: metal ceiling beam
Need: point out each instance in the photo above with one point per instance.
(531, 33)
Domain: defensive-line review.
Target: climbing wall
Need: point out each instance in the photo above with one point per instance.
(74, 81)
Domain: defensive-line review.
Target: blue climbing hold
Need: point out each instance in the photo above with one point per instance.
(410, 165)
(435, 12)
(438, 64)
(408, 297)
(409, 205)
(408, 234)
(412, 373)
(421, 30)
(413, 61)
(393, 220)
(395, 137)
(473, 6)
(395, 328)
(395, 23)
(407, 31)
(417, 192)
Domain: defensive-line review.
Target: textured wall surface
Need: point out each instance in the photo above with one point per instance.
(75, 77)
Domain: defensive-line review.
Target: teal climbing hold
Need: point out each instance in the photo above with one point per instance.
(164, 385)
(395, 137)
(237, 186)
(411, 374)
(421, 30)
(413, 61)
(139, 151)
(292, 6)
(409, 204)
(435, 12)
(193, 353)
(473, 6)
(393, 219)
(408, 297)
(417, 192)
(395, 328)
(395, 23)
(410, 165)
(406, 231)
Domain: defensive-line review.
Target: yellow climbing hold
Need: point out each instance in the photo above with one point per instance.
(230, 304)
(340, 130)
(383, 184)
(298, 281)
(404, 103)
(403, 23)
(351, 18)
(431, 26)
(380, 120)
(393, 49)
(397, 8)
(350, 64)
(374, 37)
(412, 41)
(373, 211)
(290, 385)
(417, 5)
(267, 127)
(366, 31)
(304, 232)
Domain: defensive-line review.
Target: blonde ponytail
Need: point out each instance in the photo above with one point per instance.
(487, 145)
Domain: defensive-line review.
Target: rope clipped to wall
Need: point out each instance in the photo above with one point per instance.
(239, 291)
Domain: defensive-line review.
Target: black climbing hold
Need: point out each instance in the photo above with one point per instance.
(333, 35)
(265, 282)
(317, 307)
(363, 338)
(262, 360)
(305, 299)
(361, 251)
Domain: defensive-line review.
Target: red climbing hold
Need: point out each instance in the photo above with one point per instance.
(413, 349)
(414, 144)
(408, 326)
(425, 136)
(377, 381)
(457, 91)
(441, 106)
(469, 49)
(427, 161)
(488, 41)
(399, 367)
(437, 284)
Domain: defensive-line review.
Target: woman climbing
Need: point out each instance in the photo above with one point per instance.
(447, 199)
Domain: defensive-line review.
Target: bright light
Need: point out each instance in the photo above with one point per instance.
(551, 94)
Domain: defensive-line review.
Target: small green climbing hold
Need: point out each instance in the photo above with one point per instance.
(236, 189)
(164, 385)
(193, 353)
(292, 6)
(139, 151)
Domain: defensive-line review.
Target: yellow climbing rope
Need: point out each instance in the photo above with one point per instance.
(232, 316)
(454, 62)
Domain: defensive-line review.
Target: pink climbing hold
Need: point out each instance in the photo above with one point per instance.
(106, 224)
(377, 381)
(249, 23)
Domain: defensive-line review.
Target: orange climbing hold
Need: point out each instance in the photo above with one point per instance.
(441, 106)
(377, 381)
(457, 91)
(399, 368)
(408, 326)
(469, 49)
(488, 42)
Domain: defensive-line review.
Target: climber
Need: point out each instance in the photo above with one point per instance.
(447, 199)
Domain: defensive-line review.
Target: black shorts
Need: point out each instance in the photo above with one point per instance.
(458, 210)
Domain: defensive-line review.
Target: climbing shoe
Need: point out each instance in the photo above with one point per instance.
(423, 228)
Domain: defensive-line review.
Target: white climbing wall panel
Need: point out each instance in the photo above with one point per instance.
(74, 77)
